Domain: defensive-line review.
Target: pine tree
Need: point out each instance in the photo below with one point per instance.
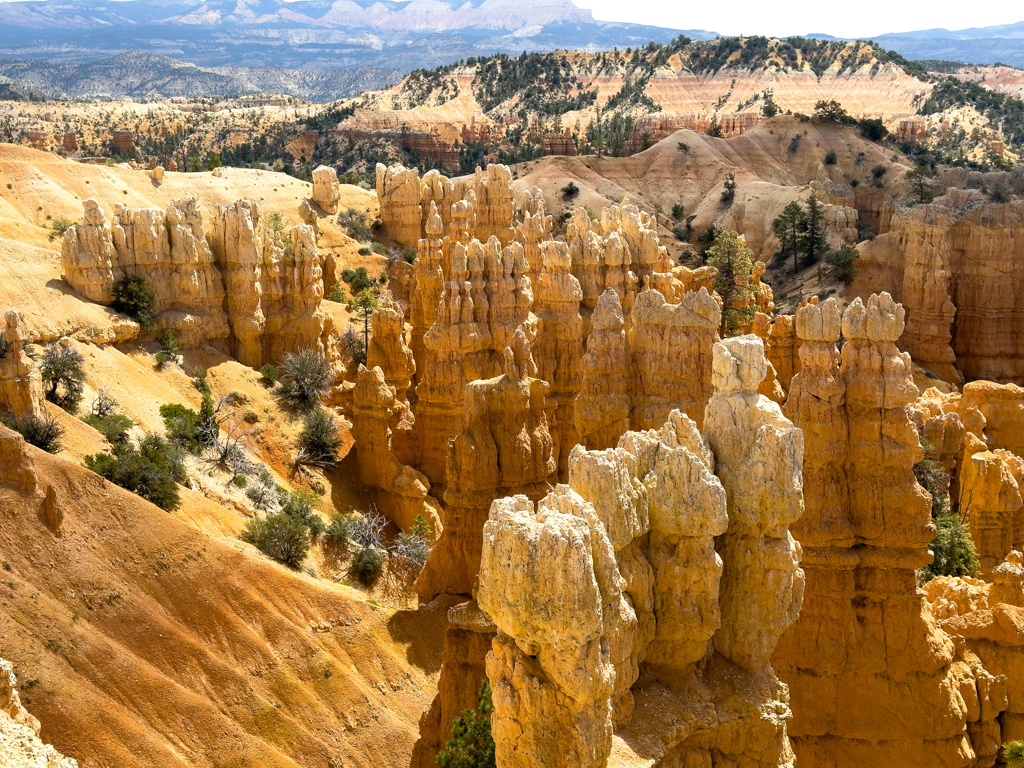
(471, 744)
(788, 226)
(735, 281)
(812, 242)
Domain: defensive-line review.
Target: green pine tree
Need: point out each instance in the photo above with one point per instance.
(788, 226)
(735, 281)
(471, 744)
(812, 241)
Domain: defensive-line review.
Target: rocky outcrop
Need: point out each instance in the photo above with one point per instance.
(218, 288)
(505, 447)
(485, 301)
(17, 467)
(398, 192)
(21, 385)
(634, 379)
(1002, 406)
(990, 502)
(558, 349)
(960, 283)
(401, 492)
(20, 746)
(627, 590)
(326, 190)
(870, 676)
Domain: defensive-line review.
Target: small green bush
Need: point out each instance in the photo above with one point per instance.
(570, 191)
(42, 432)
(368, 565)
(1013, 753)
(409, 255)
(63, 376)
(114, 427)
(337, 294)
(283, 537)
(192, 431)
(319, 439)
(354, 225)
(152, 470)
(953, 547)
(200, 380)
(831, 158)
(269, 374)
(365, 251)
(678, 212)
(168, 349)
(379, 248)
(307, 376)
(263, 491)
(357, 279)
(843, 264)
(136, 298)
(471, 744)
(59, 225)
(341, 529)
(878, 172)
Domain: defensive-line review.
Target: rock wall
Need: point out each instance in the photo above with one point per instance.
(401, 492)
(505, 447)
(240, 288)
(872, 680)
(21, 385)
(633, 379)
(960, 283)
(628, 593)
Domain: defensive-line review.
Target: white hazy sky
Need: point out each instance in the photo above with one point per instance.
(860, 18)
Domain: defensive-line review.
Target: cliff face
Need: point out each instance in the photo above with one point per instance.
(628, 591)
(270, 286)
(21, 386)
(960, 281)
(19, 731)
(870, 676)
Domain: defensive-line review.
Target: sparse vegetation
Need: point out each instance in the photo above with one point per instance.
(63, 374)
(831, 158)
(41, 431)
(729, 188)
(842, 263)
(1013, 753)
(136, 298)
(151, 471)
(353, 223)
(269, 374)
(59, 225)
(471, 744)
(306, 376)
(280, 536)
(169, 350)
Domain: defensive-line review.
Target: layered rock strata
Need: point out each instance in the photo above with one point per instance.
(20, 746)
(628, 591)
(326, 190)
(869, 675)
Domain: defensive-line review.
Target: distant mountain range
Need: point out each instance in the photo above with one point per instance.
(310, 34)
(151, 76)
(977, 45)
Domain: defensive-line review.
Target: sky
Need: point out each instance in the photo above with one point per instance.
(772, 18)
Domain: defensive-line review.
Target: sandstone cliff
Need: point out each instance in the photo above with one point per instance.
(20, 746)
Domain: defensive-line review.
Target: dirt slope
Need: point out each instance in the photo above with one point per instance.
(153, 645)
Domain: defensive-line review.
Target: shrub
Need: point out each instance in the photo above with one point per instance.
(409, 255)
(151, 470)
(953, 548)
(280, 536)
(878, 172)
(263, 491)
(63, 376)
(59, 225)
(301, 504)
(200, 380)
(353, 223)
(192, 431)
(113, 427)
(351, 345)
(365, 251)
(357, 279)
(379, 248)
(168, 349)
(269, 374)
(1013, 752)
(337, 293)
(570, 191)
(794, 143)
(683, 147)
(873, 129)
(843, 264)
(136, 298)
(319, 439)
(471, 744)
(830, 111)
(42, 432)
(341, 529)
(831, 158)
(678, 211)
(864, 230)
(307, 376)
(368, 565)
